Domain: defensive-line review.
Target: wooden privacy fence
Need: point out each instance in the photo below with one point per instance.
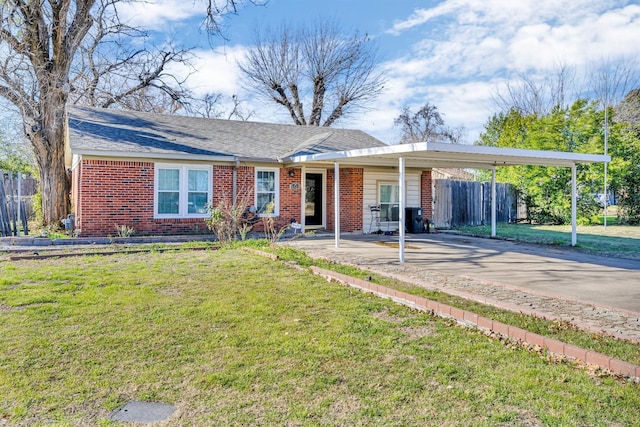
(16, 203)
(458, 203)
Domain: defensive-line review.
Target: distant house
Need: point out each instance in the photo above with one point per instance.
(157, 173)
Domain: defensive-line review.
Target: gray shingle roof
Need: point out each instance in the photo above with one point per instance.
(98, 130)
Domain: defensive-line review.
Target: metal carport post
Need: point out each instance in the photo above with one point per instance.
(403, 204)
(574, 214)
(336, 203)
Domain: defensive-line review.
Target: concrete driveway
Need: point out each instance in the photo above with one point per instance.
(545, 270)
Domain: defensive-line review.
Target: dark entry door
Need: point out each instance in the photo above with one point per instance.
(313, 199)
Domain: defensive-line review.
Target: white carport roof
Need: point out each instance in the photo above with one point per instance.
(438, 155)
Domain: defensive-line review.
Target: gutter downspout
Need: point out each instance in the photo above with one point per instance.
(234, 192)
(336, 204)
(403, 205)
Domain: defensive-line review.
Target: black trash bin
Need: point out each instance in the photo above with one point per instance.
(413, 220)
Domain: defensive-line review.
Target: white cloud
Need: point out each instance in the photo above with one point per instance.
(472, 35)
(159, 13)
(469, 48)
(423, 16)
(217, 72)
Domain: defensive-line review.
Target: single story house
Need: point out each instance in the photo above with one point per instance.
(157, 173)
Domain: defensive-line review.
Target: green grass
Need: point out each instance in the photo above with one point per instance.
(614, 241)
(560, 330)
(231, 338)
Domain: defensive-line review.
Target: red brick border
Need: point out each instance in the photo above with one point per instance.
(464, 317)
(262, 253)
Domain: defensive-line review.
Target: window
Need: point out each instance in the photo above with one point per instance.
(389, 200)
(168, 191)
(267, 185)
(182, 190)
(198, 191)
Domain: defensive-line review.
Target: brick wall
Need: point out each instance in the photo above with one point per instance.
(351, 199)
(111, 193)
(290, 196)
(426, 194)
(115, 193)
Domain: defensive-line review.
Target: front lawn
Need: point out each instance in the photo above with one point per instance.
(621, 241)
(232, 338)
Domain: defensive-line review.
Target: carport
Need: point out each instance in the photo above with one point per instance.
(439, 155)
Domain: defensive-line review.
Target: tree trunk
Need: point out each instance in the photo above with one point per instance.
(49, 146)
(54, 187)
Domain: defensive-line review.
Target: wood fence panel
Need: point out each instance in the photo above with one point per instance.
(5, 219)
(459, 203)
(442, 203)
(9, 221)
(466, 203)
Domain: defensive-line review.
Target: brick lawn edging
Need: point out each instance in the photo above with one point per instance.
(468, 318)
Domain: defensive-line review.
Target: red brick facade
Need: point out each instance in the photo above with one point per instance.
(351, 199)
(110, 193)
(117, 193)
(426, 194)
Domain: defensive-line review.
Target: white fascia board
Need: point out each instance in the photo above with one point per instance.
(520, 155)
(438, 154)
(150, 155)
(388, 150)
(257, 160)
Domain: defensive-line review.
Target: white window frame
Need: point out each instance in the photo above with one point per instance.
(380, 184)
(183, 189)
(276, 208)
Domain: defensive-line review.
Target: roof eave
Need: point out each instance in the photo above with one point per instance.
(154, 155)
(388, 150)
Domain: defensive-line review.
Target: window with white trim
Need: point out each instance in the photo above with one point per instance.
(389, 201)
(267, 190)
(182, 191)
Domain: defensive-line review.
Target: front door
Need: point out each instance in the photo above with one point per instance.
(314, 203)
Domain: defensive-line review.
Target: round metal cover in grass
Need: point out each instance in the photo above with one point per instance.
(143, 412)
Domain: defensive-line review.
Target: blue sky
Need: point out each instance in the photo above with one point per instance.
(455, 54)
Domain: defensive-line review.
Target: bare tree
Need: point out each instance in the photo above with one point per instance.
(426, 125)
(238, 112)
(40, 42)
(209, 106)
(217, 9)
(611, 81)
(319, 66)
(531, 96)
(112, 71)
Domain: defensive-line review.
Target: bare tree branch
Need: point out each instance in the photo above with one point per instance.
(111, 71)
(426, 125)
(611, 80)
(537, 96)
(218, 9)
(317, 66)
